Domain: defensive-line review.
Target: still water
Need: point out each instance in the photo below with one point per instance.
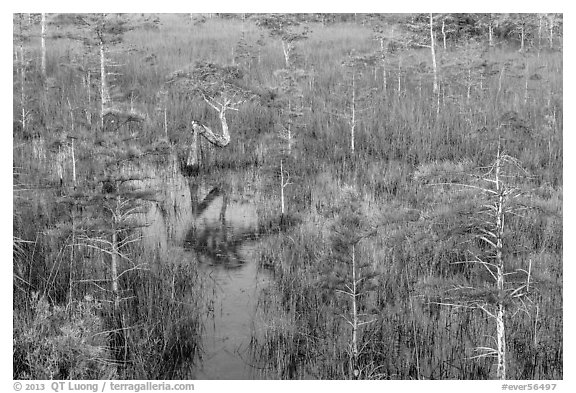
(210, 225)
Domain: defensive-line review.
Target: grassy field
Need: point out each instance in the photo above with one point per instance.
(413, 149)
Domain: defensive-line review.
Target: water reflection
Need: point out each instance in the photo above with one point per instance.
(216, 228)
(221, 228)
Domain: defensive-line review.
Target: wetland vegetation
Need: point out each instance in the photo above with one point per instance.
(312, 196)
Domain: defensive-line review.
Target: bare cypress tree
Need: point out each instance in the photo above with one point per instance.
(21, 37)
(104, 32)
(222, 88)
(356, 91)
(351, 276)
(554, 25)
(291, 103)
(488, 23)
(288, 29)
(495, 198)
(420, 33)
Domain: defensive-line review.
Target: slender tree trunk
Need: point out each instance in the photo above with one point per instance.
(433, 52)
(88, 91)
(23, 111)
(500, 326)
(383, 60)
(501, 336)
(536, 328)
(104, 95)
(71, 267)
(355, 352)
(490, 33)
(286, 49)
(43, 43)
(72, 144)
(444, 33)
(540, 18)
(526, 88)
(353, 114)
(522, 33)
(469, 85)
(282, 210)
(114, 262)
(60, 158)
(551, 18)
(23, 87)
(73, 164)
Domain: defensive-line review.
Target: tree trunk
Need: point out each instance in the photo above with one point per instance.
(540, 17)
(104, 94)
(282, 210)
(88, 91)
(202, 130)
(501, 339)
(353, 114)
(522, 33)
(72, 145)
(383, 59)
(114, 270)
(73, 164)
(526, 89)
(551, 27)
(22, 87)
(192, 160)
(206, 132)
(355, 324)
(72, 246)
(433, 52)
(444, 33)
(500, 327)
(43, 43)
(286, 49)
(217, 140)
(469, 85)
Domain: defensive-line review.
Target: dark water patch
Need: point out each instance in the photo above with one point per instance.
(216, 230)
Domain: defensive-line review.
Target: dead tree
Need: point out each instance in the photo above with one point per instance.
(499, 289)
(421, 34)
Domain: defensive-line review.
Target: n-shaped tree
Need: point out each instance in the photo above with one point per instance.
(220, 87)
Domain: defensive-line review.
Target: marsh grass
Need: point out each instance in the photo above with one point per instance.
(408, 130)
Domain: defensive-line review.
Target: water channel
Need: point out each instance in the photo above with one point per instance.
(216, 228)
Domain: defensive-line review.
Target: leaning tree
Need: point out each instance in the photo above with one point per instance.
(222, 88)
